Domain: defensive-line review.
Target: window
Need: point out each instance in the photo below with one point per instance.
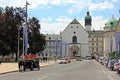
(97, 49)
(74, 32)
(96, 44)
(71, 26)
(97, 39)
(92, 49)
(92, 44)
(74, 39)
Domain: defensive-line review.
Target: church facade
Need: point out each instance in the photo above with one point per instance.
(76, 40)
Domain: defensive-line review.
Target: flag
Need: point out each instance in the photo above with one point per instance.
(61, 48)
(119, 47)
(65, 48)
(56, 45)
(25, 33)
(118, 43)
(27, 3)
(111, 45)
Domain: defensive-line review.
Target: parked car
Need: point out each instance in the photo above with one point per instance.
(31, 62)
(116, 64)
(78, 58)
(118, 71)
(64, 61)
(101, 60)
(88, 57)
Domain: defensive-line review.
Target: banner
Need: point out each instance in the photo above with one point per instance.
(117, 43)
(56, 45)
(111, 45)
(60, 48)
(25, 33)
(65, 48)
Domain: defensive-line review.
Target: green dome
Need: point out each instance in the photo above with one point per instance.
(111, 23)
(88, 17)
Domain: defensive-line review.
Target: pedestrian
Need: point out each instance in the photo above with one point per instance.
(0, 61)
(21, 64)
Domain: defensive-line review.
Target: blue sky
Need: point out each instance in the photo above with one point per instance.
(55, 15)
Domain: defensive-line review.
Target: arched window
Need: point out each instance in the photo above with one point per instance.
(74, 40)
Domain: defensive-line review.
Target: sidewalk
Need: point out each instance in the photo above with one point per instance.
(12, 67)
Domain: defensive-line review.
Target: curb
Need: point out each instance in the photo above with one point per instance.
(18, 71)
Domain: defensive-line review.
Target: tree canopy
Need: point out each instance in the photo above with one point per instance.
(11, 20)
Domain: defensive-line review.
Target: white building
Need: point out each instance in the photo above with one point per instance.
(77, 39)
(72, 41)
(110, 36)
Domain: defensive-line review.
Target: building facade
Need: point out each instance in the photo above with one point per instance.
(110, 36)
(96, 42)
(77, 40)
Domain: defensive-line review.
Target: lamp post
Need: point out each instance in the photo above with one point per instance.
(18, 44)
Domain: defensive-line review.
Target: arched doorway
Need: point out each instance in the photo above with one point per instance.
(95, 54)
(74, 50)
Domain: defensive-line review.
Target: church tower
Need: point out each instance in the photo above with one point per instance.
(88, 21)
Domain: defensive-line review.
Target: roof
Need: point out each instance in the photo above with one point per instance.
(52, 36)
(96, 33)
(74, 22)
(111, 23)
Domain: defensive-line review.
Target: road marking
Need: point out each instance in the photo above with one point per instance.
(42, 78)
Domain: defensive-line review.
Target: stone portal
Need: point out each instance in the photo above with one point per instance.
(74, 50)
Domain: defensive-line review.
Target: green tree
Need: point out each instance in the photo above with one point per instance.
(36, 40)
(11, 20)
(113, 55)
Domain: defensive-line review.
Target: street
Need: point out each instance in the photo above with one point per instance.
(78, 70)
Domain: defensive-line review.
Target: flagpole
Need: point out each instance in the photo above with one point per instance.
(23, 29)
(18, 44)
(26, 24)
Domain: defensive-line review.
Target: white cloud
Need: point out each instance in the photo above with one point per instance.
(62, 2)
(101, 6)
(63, 19)
(79, 6)
(55, 27)
(98, 22)
(34, 3)
(115, 0)
(55, 2)
(52, 27)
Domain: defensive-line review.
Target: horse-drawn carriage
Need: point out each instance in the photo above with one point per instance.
(30, 61)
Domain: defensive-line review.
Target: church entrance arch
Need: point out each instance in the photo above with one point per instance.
(94, 54)
(74, 50)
